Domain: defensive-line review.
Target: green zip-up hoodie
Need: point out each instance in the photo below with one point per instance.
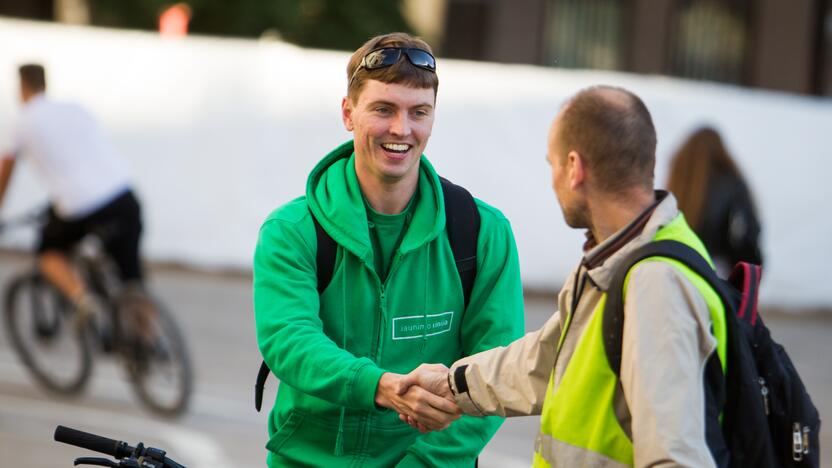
(329, 351)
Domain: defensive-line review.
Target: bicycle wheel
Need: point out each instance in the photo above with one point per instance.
(160, 370)
(41, 327)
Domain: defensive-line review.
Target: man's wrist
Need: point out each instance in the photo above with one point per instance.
(381, 398)
(450, 386)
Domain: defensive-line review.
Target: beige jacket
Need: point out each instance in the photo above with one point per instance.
(666, 344)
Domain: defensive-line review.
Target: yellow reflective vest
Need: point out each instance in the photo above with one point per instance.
(583, 421)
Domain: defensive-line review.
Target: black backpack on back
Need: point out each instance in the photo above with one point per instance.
(462, 223)
(769, 419)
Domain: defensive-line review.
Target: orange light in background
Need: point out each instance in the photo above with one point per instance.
(173, 20)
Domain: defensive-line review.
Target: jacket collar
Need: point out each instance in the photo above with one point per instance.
(334, 197)
(602, 260)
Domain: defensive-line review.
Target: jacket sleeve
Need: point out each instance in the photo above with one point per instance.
(666, 345)
(510, 380)
(289, 330)
(494, 317)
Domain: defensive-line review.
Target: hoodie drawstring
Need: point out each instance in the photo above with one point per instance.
(339, 439)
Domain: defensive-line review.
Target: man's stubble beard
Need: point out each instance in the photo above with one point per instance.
(577, 216)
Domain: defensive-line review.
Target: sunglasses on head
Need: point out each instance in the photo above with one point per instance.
(388, 56)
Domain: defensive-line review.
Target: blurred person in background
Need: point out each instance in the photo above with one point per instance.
(88, 185)
(715, 200)
(395, 297)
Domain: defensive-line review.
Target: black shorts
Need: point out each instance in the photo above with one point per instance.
(119, 225)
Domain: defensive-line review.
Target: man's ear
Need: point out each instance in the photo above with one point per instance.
(346, 113)
(577, 169)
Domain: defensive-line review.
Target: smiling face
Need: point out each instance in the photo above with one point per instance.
(391, 124)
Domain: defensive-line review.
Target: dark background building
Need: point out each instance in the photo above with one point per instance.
(783, 45)
(330, 24)
(774, 44)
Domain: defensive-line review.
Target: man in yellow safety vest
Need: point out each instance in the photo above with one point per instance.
(601, 148)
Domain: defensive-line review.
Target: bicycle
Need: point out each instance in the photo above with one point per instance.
(131, 457)
(57, 346)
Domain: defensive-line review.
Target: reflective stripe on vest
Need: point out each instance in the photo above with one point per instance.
(568, 456)
(579, 423)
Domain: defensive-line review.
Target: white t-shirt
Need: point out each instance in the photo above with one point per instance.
(78, 165)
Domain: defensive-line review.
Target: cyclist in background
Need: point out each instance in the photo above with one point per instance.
(89, 189)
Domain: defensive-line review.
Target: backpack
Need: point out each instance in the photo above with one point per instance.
(462, 223)
(768, 418)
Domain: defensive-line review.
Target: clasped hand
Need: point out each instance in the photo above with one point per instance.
(422, 398)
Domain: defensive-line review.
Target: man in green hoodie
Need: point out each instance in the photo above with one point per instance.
(394, 300)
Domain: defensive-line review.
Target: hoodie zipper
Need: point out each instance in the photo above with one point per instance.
(382, 322)
(379, 338)
(382, 294)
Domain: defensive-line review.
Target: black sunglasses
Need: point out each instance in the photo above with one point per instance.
(387, 56)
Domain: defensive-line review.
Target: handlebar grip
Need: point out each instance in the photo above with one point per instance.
(89, 441)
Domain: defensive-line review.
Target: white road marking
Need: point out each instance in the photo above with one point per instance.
(185, 445)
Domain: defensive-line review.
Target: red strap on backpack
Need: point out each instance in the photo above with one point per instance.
(745, 277)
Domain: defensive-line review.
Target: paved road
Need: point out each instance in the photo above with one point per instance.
(222, 429)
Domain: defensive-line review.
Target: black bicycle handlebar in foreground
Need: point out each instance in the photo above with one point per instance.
(131, 457)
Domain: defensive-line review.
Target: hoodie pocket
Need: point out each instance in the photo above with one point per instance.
(285, 431)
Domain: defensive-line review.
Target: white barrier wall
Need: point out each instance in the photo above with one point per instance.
(219, 132)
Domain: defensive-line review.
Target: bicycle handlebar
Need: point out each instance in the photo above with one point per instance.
(96, 443)
(149, 456)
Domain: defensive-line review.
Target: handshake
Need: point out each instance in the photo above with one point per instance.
(422, 398)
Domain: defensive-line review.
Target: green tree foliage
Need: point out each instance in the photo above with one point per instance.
(330, 24)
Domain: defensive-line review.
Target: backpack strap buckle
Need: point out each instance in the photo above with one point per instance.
(797, 443)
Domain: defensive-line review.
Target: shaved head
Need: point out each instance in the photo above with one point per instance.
(613, 132)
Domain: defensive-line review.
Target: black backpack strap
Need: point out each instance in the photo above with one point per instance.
(462, 222)
(614, 307)
(262, 375)
(325, 256)
(325, 264)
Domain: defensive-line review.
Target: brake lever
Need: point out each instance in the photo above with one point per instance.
(95, 461)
